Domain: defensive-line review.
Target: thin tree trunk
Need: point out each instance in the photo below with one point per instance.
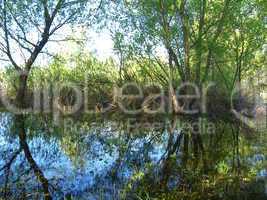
(185, 27)
(199, 42)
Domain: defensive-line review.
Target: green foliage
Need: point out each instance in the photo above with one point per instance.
(222, 46)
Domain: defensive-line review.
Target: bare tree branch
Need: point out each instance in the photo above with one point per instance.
(8, 53)
(13, 157)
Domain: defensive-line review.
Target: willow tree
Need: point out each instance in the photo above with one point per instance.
(27, 26)
(199, 36)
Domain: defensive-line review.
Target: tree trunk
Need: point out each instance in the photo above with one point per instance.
(22, 90)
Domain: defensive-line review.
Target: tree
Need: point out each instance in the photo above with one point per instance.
(196, 34)
(27, 26)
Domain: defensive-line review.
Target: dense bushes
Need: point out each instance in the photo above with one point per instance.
(97, 79)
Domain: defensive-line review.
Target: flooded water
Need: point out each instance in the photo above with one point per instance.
(120, 158)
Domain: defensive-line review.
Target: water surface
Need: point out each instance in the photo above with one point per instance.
(108, 158)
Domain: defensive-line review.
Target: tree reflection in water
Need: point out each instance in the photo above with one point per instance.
(110, 161)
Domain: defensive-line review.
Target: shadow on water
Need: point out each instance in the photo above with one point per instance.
(97, 158)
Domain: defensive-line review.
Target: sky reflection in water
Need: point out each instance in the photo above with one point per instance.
(87, 164)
